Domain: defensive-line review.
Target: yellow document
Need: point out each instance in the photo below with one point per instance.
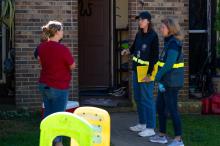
(154, 72)
(141, 72)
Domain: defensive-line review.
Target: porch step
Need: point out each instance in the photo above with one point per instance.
(190, 107)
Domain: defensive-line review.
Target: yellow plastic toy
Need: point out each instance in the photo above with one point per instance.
(66, 124)
(100, 121)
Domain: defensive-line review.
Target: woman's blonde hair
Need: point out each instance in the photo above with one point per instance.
(173, 27)
(50, 29)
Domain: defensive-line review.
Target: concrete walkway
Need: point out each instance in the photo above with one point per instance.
(120, 134)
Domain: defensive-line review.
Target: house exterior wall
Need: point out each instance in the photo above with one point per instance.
(31, 15)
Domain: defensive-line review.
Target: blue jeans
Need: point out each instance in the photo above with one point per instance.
(55, 100)
(167, 103)
(143, 95)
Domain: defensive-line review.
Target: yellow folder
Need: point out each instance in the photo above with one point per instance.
(154, 72)
(141, 72)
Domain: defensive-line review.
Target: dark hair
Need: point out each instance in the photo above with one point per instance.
(173, 27)
(50, 29)
(150, 27)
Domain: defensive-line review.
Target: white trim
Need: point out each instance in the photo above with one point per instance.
(209, 30)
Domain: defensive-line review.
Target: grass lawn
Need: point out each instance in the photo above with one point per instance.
(19, 130)
(200, 130)
(22, 129)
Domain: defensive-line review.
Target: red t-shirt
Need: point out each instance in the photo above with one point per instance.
(55, 61)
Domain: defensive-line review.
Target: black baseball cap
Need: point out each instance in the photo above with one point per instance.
(144, 15)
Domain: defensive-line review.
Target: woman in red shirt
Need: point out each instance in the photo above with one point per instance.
(57, 63)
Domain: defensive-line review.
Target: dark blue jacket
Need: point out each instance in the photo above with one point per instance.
(171, 54)
(146, 47)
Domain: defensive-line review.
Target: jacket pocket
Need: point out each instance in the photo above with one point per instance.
(174, 78)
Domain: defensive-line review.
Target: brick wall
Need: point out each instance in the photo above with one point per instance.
(30, 15)
(160, 9)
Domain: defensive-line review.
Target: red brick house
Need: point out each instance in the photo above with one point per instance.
(92, 30)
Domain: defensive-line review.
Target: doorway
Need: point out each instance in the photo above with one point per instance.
(94, 44)
(99, 52)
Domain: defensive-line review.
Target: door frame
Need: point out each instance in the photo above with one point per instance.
(113, 42)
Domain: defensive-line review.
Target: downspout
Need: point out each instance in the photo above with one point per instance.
(209, 33)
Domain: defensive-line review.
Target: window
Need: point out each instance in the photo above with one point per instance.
(200, 47)
(198, 15)
(199, 34)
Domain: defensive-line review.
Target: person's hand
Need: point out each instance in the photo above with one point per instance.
(125, 52)
(146, 79)
(73, 66)
(161, 87)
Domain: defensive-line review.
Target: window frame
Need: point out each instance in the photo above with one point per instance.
(3, 46)
(207, 30)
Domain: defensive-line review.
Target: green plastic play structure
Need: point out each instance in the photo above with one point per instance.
(65, 124)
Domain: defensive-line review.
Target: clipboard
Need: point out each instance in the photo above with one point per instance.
(141, 72)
